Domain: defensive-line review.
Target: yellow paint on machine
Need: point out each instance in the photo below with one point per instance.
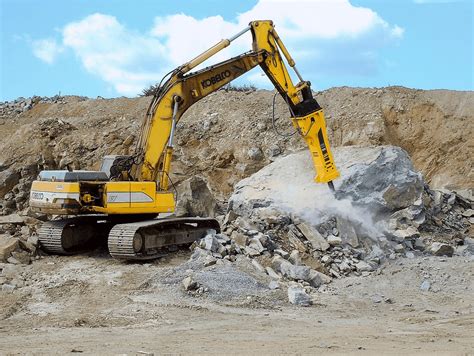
(112, 195)
(139, 197)
(54, 187)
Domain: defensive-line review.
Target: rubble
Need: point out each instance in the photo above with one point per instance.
(344, 236)
(21, 105)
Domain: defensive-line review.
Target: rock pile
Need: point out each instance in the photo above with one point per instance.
(299, 235)
(15, 187)
(18, 239)
(20, 105)
(383, 210)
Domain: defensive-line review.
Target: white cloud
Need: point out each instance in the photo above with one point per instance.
(46, 49)
(121, 57)
(315, 31)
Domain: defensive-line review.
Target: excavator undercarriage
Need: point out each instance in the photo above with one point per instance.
(133, 240)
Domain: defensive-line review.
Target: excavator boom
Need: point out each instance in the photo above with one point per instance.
(182, 90)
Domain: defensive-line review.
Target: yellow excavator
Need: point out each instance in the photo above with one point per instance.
(123, 200)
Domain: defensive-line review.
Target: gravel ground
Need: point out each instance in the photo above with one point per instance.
(96, 305)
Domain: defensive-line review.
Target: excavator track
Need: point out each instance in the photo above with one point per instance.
(70, 236)
(150, 239)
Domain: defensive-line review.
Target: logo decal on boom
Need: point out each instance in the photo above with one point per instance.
(216, 79)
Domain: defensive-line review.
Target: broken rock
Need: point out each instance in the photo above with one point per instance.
(7, 246)
(195, 199)
(298, 296)
(313, 236)
(441, 249)
(210, 243)
(189, 284)
(316, 279)
(8, 179)
(290, 271)
(334, 240)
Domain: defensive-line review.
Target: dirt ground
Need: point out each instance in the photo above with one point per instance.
(92, 304)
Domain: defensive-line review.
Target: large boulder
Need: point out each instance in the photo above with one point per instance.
(374, 182)
(195, 199)
(8, 179)
(380, 177)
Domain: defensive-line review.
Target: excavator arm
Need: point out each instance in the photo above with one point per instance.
(183, 89)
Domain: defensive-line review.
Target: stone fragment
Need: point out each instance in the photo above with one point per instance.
(7, 246)
(189, 284)
(399, 248)
(272, 273)
(274, 285)
(410, 255)
(199, 253)
(316, 279)
(222, 238)
(195, 198)
(441, 249)
(295, 257)
(363, 266)
(419, 244)
(22, 256)
(255, 154)
(11, 219)
(409, 232)
(313, 236)
(13, 260)
(298, 296)
(377, 298)
(282, 253)
(252, 252)
(376, 254)
(229, 217)
(239, 238)
(256, 245)
(210, 243)
(294, 240)
(334, 240)
(258, 266)
(8, 288)
(425, 286)
(209, 261)
(468, 213)
(326, 259)
(347, 232)
(8, 179)
(264, 240)
(290, 271)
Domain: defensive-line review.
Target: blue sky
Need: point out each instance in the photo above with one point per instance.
(113, 48)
